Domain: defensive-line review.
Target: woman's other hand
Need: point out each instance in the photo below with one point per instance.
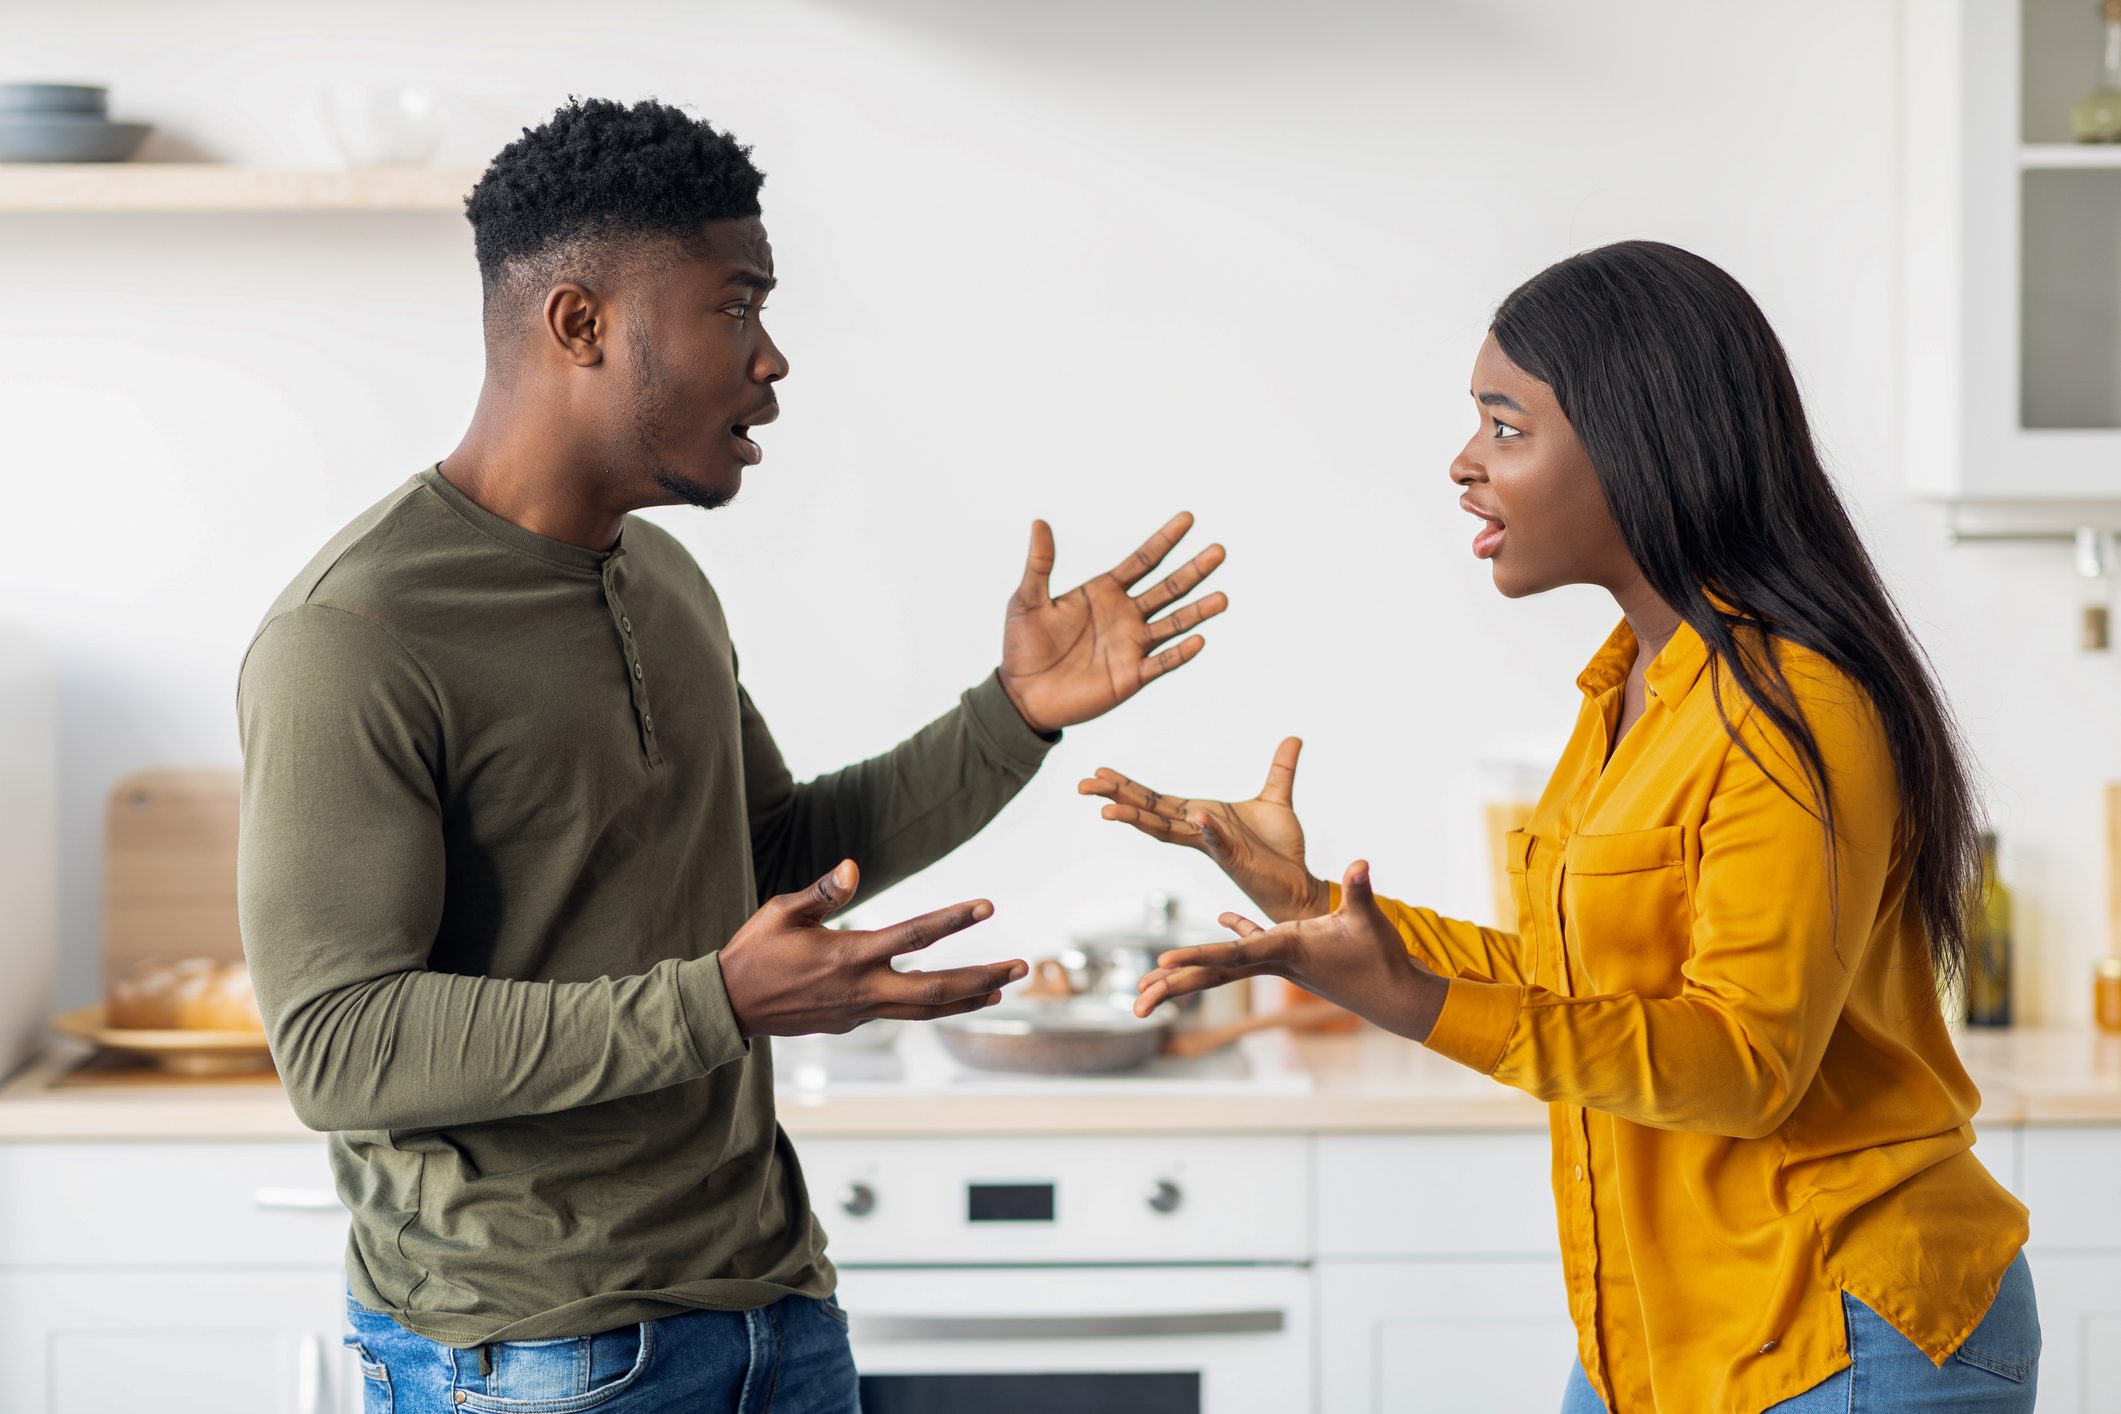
(1353, 956)
(1258, 842)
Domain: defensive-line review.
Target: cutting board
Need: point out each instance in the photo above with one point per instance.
(169, 868)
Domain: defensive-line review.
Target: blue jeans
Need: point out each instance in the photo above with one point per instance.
(1995, 1370)
(788, 1358)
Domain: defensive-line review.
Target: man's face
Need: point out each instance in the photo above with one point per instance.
(700, 366)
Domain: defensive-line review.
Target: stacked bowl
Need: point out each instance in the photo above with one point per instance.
(62, 122)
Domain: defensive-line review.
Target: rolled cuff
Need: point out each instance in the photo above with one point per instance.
(709, 1020)
(1476, 1022)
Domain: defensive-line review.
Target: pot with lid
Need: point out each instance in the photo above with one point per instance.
(1113, 962)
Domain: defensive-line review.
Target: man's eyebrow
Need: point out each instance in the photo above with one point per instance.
(751, 279)
(1500, 400)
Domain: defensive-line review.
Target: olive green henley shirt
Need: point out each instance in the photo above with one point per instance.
(504, 798)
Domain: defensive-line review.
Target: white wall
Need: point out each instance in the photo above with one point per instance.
(1093, 262)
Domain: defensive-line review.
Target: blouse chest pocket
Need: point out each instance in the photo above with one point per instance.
(1625, 910)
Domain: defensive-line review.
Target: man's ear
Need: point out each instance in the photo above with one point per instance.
(575, 321)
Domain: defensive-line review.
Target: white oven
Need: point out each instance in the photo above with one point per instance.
(1116, 1274)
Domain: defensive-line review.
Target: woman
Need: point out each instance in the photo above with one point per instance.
(1738, 898)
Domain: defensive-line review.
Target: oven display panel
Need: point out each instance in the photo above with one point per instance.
(1009, 1202)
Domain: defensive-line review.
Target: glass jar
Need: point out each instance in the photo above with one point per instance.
(2106, 993)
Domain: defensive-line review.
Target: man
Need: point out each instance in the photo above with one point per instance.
(508, 813)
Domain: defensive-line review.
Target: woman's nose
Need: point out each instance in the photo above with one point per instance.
(1465, 470)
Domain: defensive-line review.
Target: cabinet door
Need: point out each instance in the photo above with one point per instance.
(87, 1342)
(2080, 1331)
(1398, 1337)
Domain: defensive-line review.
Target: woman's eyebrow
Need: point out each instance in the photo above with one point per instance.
(1499, 400)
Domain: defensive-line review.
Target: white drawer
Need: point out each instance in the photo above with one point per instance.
(1434, 1195)
(2071, 1179)
(222, 1204)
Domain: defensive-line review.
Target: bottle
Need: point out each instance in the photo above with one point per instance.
(1988, 946)
(2098, 118)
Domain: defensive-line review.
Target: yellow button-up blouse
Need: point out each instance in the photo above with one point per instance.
(1755, 1105)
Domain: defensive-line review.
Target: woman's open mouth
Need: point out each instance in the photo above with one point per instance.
(1489, 538)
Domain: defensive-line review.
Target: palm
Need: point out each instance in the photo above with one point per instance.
(1068, 659)
(1258, 842)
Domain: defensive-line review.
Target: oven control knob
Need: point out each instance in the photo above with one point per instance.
(857, 1200)
(1164, 1196)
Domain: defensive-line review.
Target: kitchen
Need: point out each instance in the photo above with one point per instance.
(1299, 220)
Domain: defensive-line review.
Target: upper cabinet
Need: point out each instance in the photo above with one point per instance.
(2011, 243)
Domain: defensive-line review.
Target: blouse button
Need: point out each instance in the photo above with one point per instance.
(1579, 1173)
(1766, 1348)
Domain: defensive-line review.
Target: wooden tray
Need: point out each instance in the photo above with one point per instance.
(184, 1052)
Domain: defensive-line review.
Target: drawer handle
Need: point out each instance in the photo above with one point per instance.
(1101, 1327)
(297, 1200)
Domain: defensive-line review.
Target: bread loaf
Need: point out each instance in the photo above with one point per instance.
(195, 994)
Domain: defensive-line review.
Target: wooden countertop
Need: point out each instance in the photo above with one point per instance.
(1366, 1083)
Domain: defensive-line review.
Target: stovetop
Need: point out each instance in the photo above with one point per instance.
(916, 1063)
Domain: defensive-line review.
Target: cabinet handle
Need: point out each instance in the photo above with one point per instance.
(309, 1375)
(298, 1200)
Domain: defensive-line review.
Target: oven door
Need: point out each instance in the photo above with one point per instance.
(1118, 1340)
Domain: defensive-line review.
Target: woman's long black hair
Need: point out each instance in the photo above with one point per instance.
(1683, 397)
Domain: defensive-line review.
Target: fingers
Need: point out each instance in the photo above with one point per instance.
(1137, 566)
(1162, 986)
(917, 933)
(1181, 581)
(947, 988)
(1164, 662)
(1261, 945)
(1281, 776)
(1135, 796)
(1161, 827)
(906, 1011)
(821, 898)
(1198, 612)
(1037, 587)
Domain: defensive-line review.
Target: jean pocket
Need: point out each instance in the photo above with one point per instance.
(2007, 1342)
(376, 1395)
(831, 1307)
(539, 1377)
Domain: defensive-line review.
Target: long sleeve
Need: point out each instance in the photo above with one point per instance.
(1776, 940)
(340, 886)
(1450, 946)
(894, 814)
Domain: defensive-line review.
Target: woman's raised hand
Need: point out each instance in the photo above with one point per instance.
(1258, 842)
(1353, 956)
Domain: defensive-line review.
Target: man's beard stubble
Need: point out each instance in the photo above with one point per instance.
(652, 397)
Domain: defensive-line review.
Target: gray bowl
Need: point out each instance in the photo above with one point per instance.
(86, 98)
(62, 138)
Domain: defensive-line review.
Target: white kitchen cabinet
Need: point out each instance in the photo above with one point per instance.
(94, 1339)
(1439, 1274)
(2011, 299)
(1408, 1336)
(172, 1277)
(2080, 1331)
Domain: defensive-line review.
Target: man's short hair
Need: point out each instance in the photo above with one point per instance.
(596, 179)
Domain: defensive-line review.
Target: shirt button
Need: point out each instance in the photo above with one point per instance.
(647, 723)
(626, 623)
(1766, 1348)
(637, 670)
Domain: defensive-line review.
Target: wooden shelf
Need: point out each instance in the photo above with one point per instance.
(2060, 156)
(208, 186)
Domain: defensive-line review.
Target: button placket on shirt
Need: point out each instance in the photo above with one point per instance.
(630, 648)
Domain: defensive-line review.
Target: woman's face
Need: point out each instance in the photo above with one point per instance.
(1544, 519)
